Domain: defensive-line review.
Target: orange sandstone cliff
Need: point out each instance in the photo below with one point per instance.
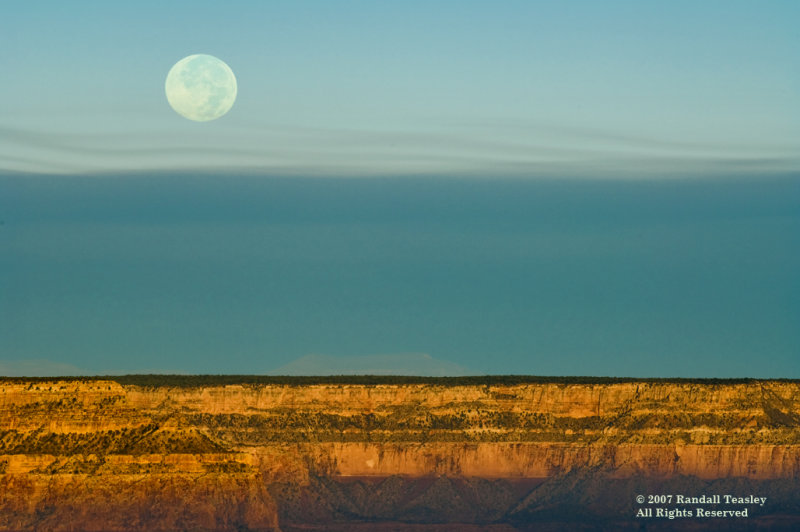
(111, 455)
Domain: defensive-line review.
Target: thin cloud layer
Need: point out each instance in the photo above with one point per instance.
(488, 150)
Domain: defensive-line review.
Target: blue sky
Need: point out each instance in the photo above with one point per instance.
(553, 188)
(227, 274)
(372, 88)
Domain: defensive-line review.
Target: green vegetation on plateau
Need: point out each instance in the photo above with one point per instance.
(188, 381)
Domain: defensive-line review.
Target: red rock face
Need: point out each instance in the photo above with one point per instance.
(99, 456)
(119, 502)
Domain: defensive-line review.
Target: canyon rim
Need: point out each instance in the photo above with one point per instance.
(397, 453)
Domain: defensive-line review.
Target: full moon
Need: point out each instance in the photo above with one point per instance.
(201, 87)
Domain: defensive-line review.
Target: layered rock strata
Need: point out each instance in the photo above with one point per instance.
(102, 455)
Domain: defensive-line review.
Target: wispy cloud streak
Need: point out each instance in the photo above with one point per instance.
(494, 149)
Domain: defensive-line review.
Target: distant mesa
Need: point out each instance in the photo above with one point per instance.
(418, 364)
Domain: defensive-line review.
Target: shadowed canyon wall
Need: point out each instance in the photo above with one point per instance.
(90, 454)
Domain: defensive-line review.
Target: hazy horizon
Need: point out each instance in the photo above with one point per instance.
(174, 274)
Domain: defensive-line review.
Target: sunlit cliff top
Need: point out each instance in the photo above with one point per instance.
(366, 380)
